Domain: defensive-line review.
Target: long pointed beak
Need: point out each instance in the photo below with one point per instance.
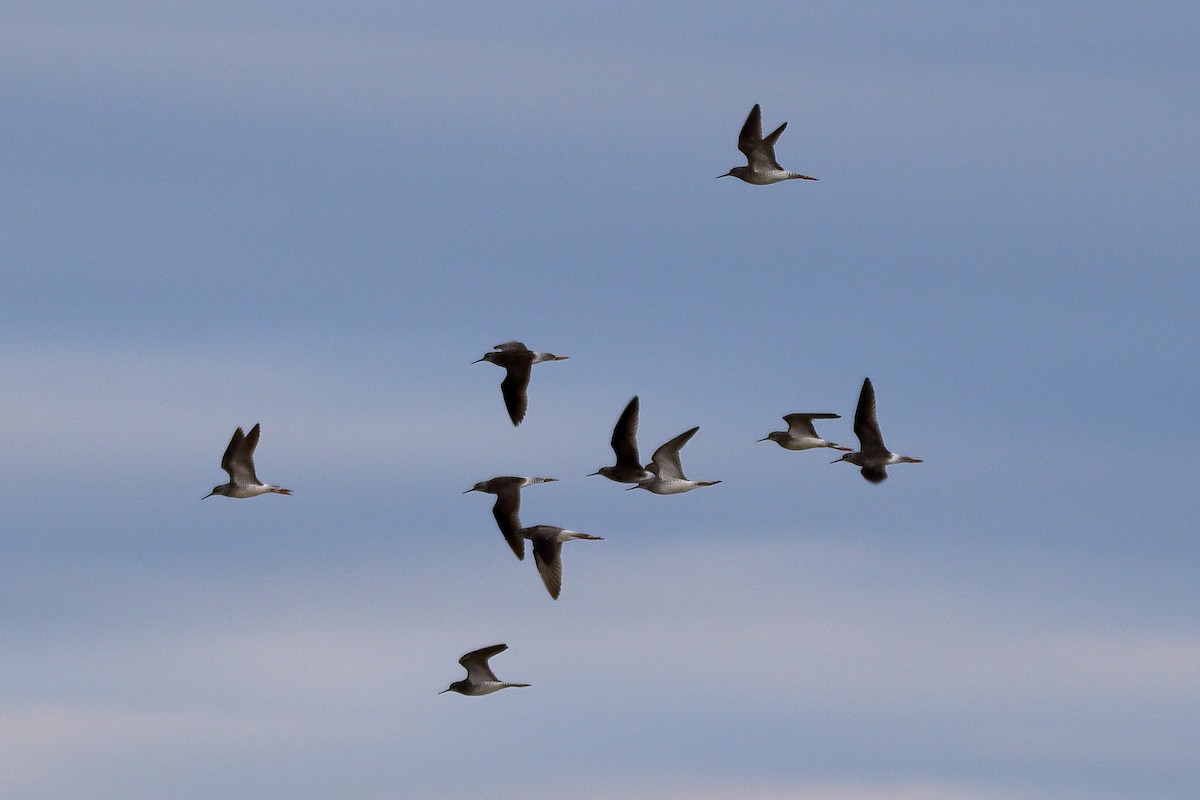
(590, 474)
(765, 438)
(443, 691)
(476, 361)
(210, 494)
(726, 175)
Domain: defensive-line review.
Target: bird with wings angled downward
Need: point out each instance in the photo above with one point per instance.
(517, 361)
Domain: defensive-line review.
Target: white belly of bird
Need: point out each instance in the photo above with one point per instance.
(249, 491)
(672, 487)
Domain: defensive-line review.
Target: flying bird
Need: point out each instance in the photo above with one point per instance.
(480, 678)
(628, 468)
(547, 543)
(872, 455)
(761, 167)
(238, 461)
(801, 435)
(666, 472)
(518, 361)
(507, 489)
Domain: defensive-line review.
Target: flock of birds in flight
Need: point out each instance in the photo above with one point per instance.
(663, 475)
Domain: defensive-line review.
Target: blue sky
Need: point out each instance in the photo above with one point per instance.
(225, 213)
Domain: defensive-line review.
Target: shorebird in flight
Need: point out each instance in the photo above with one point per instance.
(518, 361)
(666, 472)
(480, 678)
(238, 461)
(872, 455)
(628, 468)
(801, 435)
(507, 489)
(761, 167)
(547, 543)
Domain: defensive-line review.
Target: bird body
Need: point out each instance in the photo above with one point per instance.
(801, 435)
(658, 486)
(547, 541)
(872, 457)
(238, 461)
(480, 678)
(666, 472)
(506, 510)
(517, 361)
(761, 167)
(628, 468)
(243, 492)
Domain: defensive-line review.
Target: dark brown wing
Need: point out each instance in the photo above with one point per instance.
(230, 450)
(245, 456)
(547, 554)
(239, 457)
(624, 436)
(802, 423)
(476, 663)
(866, 425)
(515, 388)
(875, 474)
(665, 461)
(507, 513)
(765, 152)
(751, 136)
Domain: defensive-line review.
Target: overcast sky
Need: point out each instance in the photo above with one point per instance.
(216, 214)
